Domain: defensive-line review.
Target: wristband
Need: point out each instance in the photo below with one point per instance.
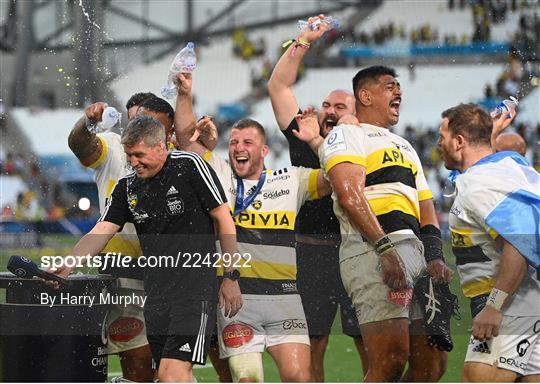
(298, 42)
(384, 244)
(496, 298)
(431, 237)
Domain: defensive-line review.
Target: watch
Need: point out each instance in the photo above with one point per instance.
(234, 275)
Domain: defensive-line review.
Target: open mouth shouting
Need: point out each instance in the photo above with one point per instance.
(394, 106)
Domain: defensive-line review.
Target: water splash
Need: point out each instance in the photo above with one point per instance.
(87, 15)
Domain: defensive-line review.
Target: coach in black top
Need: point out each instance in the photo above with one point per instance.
(174, 200)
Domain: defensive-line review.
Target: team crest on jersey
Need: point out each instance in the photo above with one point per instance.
(257, 204)
(132, 200)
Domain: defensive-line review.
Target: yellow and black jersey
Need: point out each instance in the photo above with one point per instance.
(394, 184)
(265, 230)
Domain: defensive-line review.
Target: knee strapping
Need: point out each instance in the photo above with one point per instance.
(247, 366)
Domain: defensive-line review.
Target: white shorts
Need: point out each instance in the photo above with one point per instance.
(516, 349)
(126, 328)
(363, 280)
(263, 321)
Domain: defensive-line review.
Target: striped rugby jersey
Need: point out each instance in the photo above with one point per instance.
(480, 192)
(265, 230)
(394, 185)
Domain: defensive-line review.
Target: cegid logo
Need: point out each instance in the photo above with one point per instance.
(125, 329)
(235, 335)
(401, 298)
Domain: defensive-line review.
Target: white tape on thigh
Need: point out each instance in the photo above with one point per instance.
(247, 366)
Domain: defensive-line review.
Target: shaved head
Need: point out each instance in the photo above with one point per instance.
(510, 141)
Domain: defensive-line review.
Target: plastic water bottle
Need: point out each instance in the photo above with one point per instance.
(507, 105)
(109, 118)
(184, 62)
(333, 23)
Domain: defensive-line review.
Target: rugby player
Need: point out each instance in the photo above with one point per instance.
(317, 228)
(384, 206)
(494, 225)
(105, 155)
(264, 205)
(169, 195)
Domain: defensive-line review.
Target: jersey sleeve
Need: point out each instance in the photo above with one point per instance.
(108, 142)
(307, 184)
(117, 209)
(344, 144)
(220, 166)
(205, 183)
(299, 151)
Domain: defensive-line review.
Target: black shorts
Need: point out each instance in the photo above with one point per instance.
(180, 330)
(321, 289)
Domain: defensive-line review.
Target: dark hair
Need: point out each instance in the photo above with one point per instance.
(143, 128)
(470, 121)
(370, 74)
(159, 105)
(138, 99)
(250, 123)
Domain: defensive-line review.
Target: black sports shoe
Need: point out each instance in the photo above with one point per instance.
(438, 306)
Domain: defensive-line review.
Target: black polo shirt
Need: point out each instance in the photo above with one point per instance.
(170, 214)
(315, 217)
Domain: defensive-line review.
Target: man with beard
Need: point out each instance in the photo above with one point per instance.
(384, 205)
(104, 154)
(317, 228)
(495, 230)
(264, 205)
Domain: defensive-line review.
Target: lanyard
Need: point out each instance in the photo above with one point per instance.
(242, 204)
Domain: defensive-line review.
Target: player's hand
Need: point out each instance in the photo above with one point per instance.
(501, 123)
(205, 132)
(348, 119)
(487, 323)
(311, 35)
(184, 83)
(230, 297)
(94, 111)
(439, 271)
(308, 125)
(393, 270)
(61, 271)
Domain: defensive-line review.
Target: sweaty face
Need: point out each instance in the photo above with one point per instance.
(447, 147)
(336, 105)
(386, 96)
(161, 117)
(246, 152)
(146, 161)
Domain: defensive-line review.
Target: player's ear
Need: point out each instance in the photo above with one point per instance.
(265, 150)
(364, 96)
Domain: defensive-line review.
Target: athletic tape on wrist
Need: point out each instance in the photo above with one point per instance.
(431, 237)
(496, 298)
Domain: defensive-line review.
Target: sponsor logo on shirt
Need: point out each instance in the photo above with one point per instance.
(289, 287)
(481, 347)
(172, 191)
(276, 178)
(276, 194)
(237, 334)
(175, 206)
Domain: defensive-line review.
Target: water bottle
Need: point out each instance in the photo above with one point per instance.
(507, 105)
(184, 62)
(109, 118)
(333, 23)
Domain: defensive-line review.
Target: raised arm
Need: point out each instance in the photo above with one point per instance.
(285, 72)
(185, 123)
(83, 143)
